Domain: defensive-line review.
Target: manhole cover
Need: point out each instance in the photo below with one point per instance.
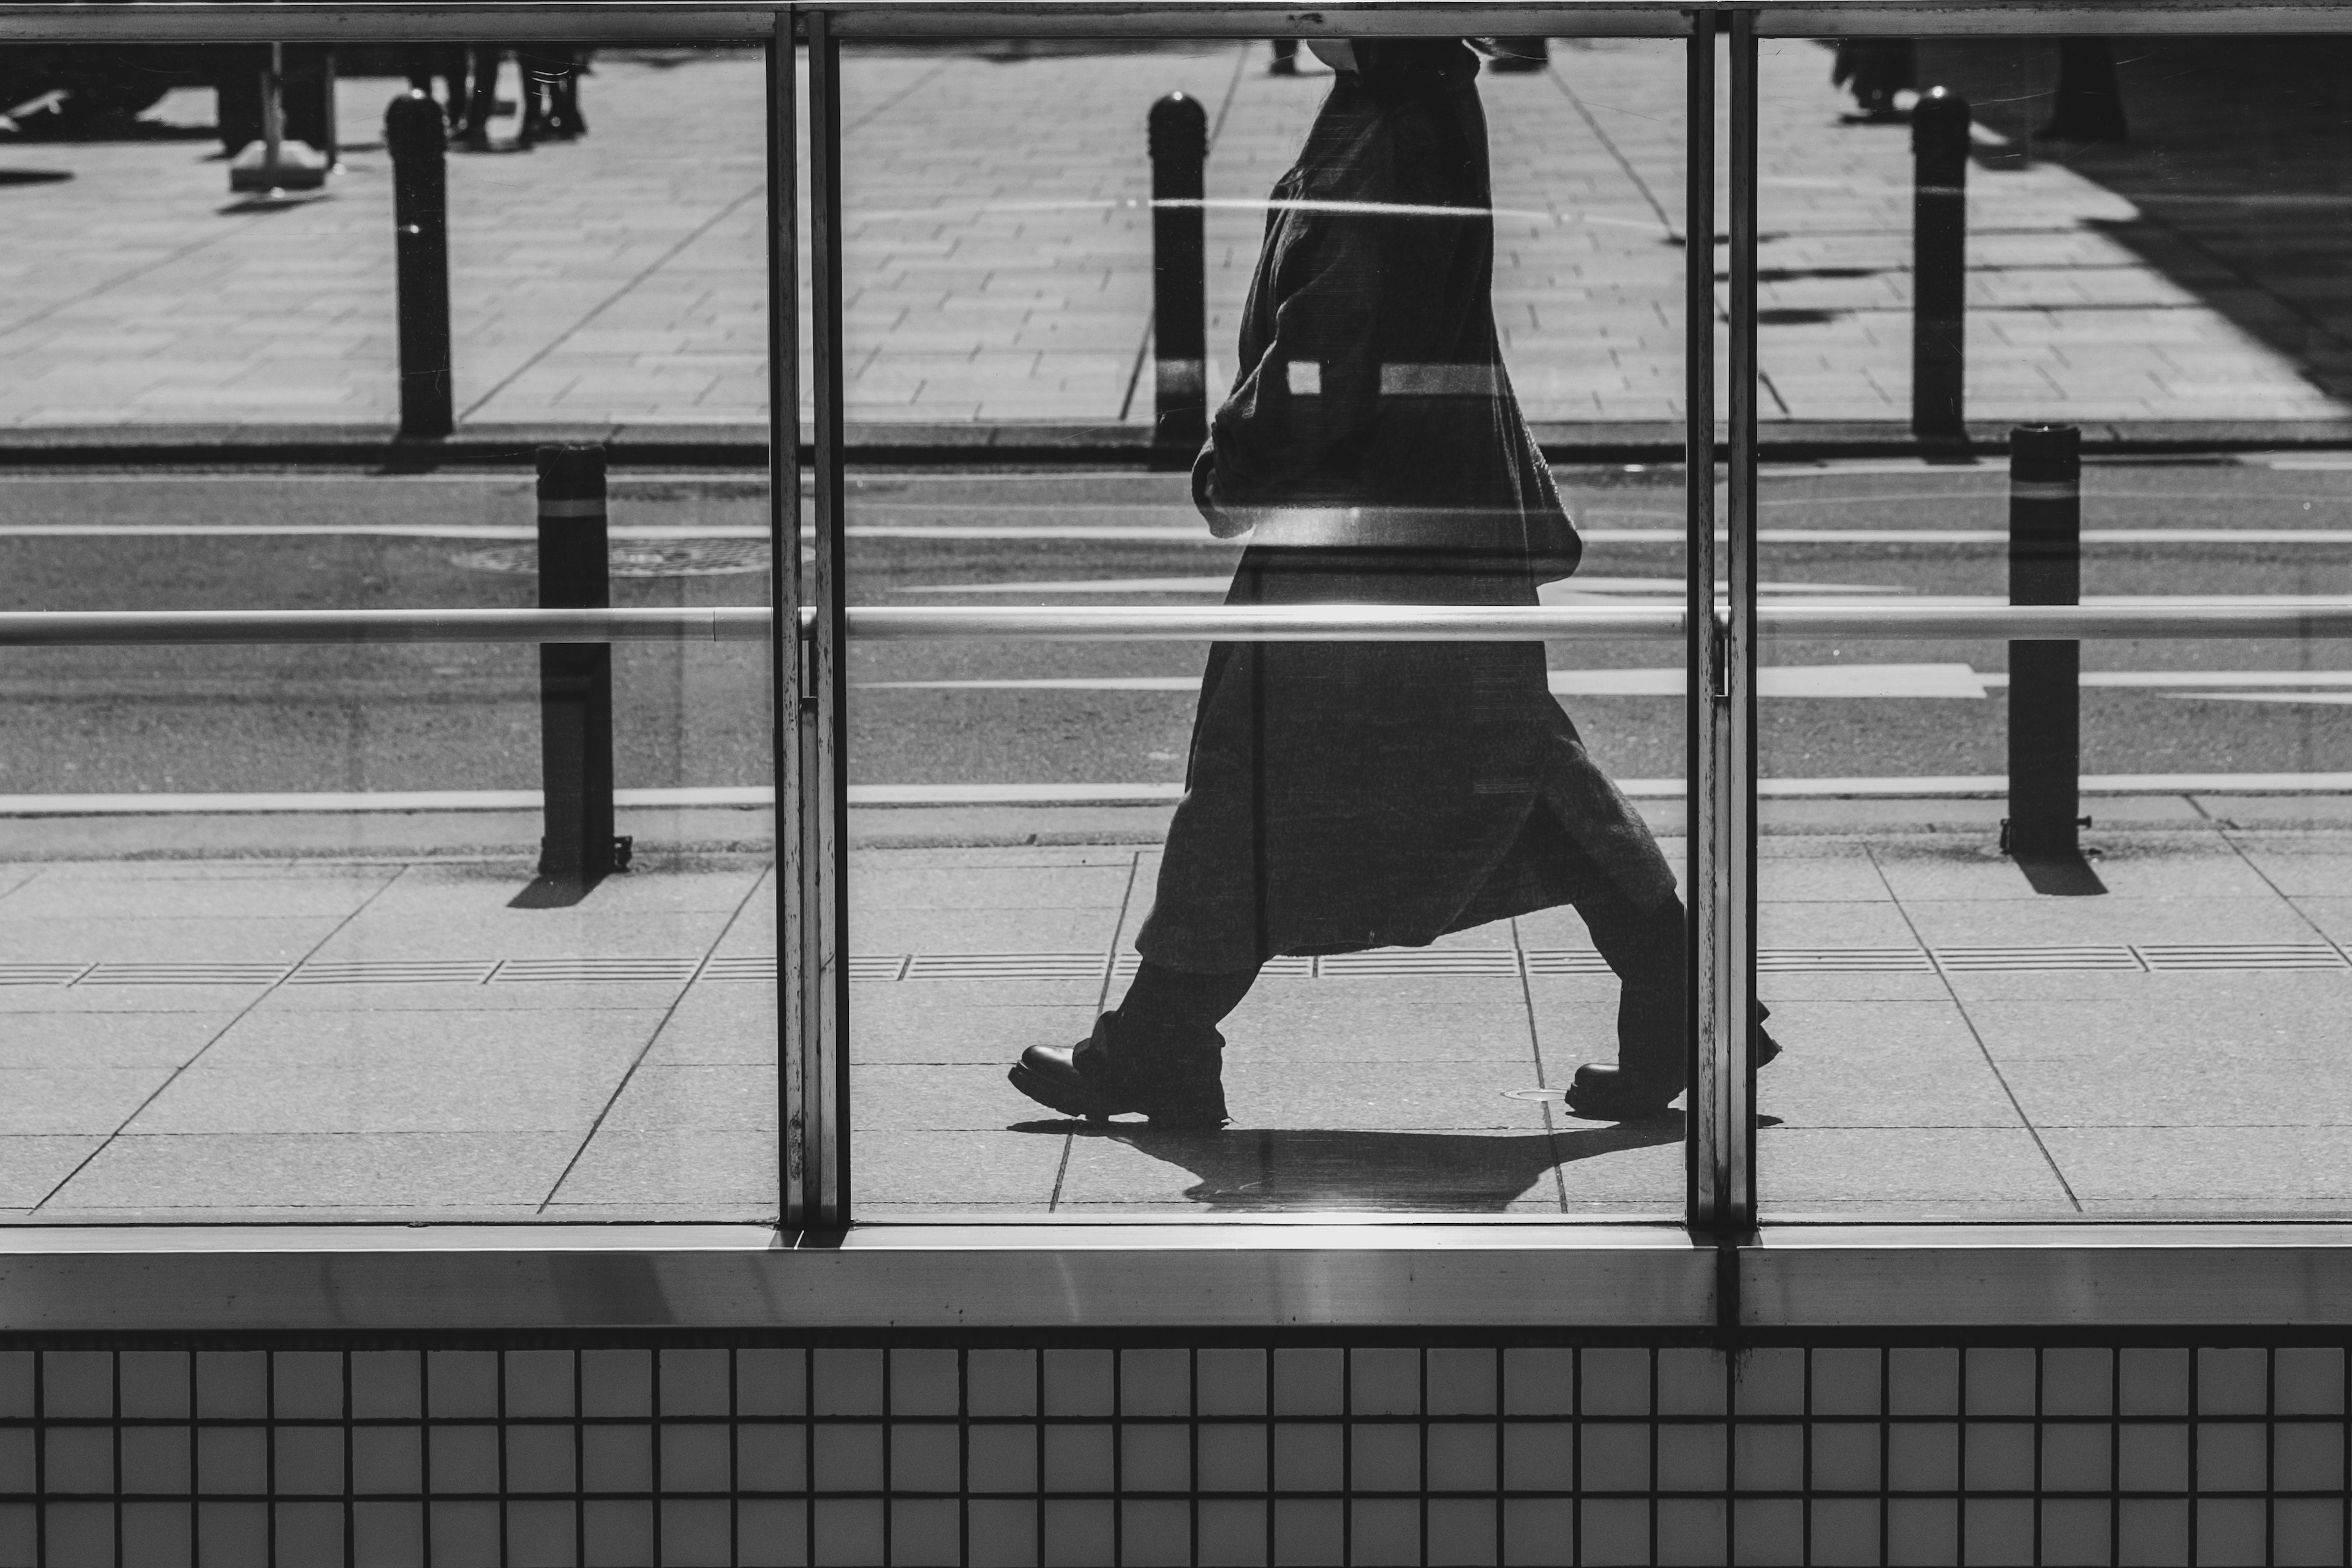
(637, 558)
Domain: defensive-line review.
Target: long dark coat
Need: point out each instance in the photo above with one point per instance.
(1350, 795)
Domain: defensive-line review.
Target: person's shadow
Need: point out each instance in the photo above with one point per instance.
(1243, 1169)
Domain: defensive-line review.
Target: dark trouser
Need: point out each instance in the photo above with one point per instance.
(1171, 1015)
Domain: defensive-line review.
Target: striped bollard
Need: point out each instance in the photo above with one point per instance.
(2045, 719)
(575, 680)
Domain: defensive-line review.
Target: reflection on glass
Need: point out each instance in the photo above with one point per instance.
(1996, 1009)
(1344, 972)
(273, 944)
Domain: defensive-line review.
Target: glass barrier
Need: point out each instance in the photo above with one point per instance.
(1347, 970)
(1989, 1009)
(286, 933)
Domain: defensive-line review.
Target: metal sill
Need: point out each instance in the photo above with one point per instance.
(1208, 1276)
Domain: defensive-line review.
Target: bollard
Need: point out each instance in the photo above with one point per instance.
(575, 680)
(1180, 145)
(418, 140)
(2045, 567)
(1939, 264)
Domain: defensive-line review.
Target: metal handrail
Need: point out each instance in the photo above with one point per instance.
(616, 21)
(174, 629)
(1460, 623)
(2291, 618)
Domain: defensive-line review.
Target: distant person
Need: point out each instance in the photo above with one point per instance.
(452, 64)
(551, 76)
(1875, 70)
(547, 78)
(1347, 795)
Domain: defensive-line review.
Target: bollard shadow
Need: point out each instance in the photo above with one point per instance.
(2062, 876)
(1240, 1170)
(545, 892)
(270, 202)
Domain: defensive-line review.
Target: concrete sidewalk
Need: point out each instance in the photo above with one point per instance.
(998, 262)
(1958, 1047)
(373, 1032)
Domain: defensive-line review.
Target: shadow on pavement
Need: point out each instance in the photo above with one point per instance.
(2062, 876)
(2237, 159)
(1241, 1168)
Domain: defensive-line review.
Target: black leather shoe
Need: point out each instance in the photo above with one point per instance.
(1085, 1080)
(1613, 1094)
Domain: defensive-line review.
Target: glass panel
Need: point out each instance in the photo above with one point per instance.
(1395, 831)
(2143, 1016)
(272, 942)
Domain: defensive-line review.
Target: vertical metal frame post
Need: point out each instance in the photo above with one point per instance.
(1704, 653)
(816, 1157)
(1733, 1114)
(1722, 794)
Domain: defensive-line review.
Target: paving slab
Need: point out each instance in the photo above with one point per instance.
(1916, 1091)
(719, 1026)
(2205, 1169)
(2058, 921)
(919, 1023)
(40, 1040)
(86, 1099)
(1884, 1065)
(315, 1173)
(716, 1173)
(1922, 1171)
(33, 1164)
(997, 255)
(1448, 1018)
(925, 1167)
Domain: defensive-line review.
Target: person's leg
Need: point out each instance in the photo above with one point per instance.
(482, 103)
(1645, 946)
(1645, 951)
(1159, 1052)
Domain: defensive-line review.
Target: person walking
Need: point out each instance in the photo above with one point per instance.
(1347, 795)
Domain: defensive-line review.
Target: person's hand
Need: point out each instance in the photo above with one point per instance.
(1224, 521)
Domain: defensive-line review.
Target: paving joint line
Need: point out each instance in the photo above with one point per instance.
(1977, 1036)
(651, 1038)
(219, 1035)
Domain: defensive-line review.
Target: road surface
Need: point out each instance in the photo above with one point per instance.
(970, 715)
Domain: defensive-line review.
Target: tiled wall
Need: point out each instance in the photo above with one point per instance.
(536, 1458)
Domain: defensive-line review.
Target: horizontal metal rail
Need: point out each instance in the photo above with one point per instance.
(2293, 618)
(749, 21)
(172, 628)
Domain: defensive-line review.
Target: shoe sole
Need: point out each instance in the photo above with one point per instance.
(1764, 1059)
(1050, 1095)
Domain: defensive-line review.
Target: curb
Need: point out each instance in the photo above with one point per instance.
(740, 445)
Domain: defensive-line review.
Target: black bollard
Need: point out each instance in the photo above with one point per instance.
(418, 140)
(1180, 145)
(1939, 264)
(575, 680)
(2045, 567)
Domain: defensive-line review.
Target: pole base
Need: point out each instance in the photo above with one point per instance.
(300, 167)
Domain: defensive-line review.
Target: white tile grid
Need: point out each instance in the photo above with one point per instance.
(1297, 1453)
